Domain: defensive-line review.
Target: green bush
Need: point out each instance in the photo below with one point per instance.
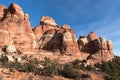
(46, 61)
(31, 65)
(90, 68)
(70, 72)
(86, 76)
(78, 64)
(4, 59)
(51, 70)
(112, 68)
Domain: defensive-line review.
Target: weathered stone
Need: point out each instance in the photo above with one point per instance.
(2, 11)
(92, 36)
(15, 29)
(10, 58)
(99, 49)
(26, 16)
(67, 36)
(82, 42)
(11, 49)
(69, 43)
(65, 26)
(16, 11)
(47, 21)
(109, 44)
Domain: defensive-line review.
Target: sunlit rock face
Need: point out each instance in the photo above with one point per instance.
(15, 29)
(99, 48)
(51, 37)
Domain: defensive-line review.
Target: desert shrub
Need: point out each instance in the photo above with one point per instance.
(70, 72)
(46, 61)
(112, 68)
(13, 65)
(51, 69)
(77, 61)
(86, 76)
(19, 51)
(34, 61)
(12, 70)
(39, 71)
(25, 58)
(90, 68)
(31, 66)
(4, 59)
(78, 64)
(111, 78)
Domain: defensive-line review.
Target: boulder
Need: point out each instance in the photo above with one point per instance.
(10, 58)
(10, 49)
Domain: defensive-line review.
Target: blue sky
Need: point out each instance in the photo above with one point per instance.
(84, 16)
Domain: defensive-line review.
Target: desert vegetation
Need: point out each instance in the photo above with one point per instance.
(47, 67)
(70, 70)
(112, 68)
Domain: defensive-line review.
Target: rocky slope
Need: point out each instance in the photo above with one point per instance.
(50, 39)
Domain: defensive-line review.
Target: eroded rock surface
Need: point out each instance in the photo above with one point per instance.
(15, 29)
(53, 38)
(99, 48)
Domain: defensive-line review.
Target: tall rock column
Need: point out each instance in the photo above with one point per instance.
(15, 28)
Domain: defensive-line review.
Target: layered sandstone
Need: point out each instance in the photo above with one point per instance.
(15, 29)
(51, 37)
(99, 48)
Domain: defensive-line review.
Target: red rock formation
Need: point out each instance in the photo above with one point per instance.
(47, 23)
(65, 27)
(15, 29)
(2, 11)
(59, 39)
(99, 49)
(92, 36)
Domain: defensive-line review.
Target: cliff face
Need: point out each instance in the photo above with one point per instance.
(15, 29)
(51, 37)
(99, 48)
